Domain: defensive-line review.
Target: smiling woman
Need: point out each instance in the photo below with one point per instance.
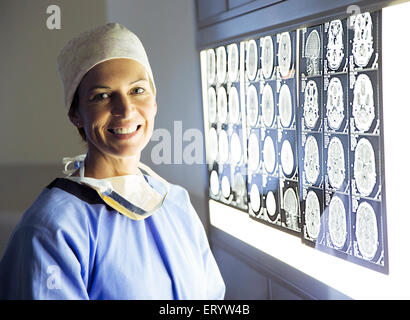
(108, 230)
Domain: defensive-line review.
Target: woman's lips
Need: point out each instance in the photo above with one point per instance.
(124, 132)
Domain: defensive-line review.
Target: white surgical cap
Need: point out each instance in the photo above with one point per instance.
(92, 47)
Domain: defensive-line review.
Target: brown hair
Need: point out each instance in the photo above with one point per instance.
(73, 110)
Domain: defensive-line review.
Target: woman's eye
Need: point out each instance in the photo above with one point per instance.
(100, 96)
(139, 90)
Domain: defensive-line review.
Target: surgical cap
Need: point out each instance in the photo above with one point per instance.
(110, 41)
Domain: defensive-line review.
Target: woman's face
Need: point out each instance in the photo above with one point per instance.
(116, 108)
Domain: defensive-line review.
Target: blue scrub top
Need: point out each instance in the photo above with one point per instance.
(70, 245)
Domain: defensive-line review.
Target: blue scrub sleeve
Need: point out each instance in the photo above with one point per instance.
(39, 264)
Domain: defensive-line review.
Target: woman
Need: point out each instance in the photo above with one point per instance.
(108, 231)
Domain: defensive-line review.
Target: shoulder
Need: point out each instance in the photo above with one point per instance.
(63, 205)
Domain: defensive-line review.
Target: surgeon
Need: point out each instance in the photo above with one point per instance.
(112, 228)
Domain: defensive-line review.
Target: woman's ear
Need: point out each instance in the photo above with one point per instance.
(75, 119)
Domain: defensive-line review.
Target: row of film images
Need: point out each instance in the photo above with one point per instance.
(310, 122)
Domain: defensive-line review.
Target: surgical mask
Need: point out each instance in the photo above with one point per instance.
(130, 195)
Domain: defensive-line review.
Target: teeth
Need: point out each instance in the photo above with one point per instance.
(123, 130)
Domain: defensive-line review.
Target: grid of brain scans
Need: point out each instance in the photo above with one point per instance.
(294, 124)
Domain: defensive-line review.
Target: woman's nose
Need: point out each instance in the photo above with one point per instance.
(123, 106)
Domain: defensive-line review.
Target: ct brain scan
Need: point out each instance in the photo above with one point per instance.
(213, 144)
(366, 230)
(311, 163)
(364, 167)
(268, 109)
(252, 105)
(363, 103)
(291, 206)
(270, 203)
(269, 154)
(285, 106)
(223, 146)
(335, 105)
(252, 60)
(255, 198)
(267, 56)
(214, 182)
(312, 214)
(362, 47)
(233, 62)
(212, 104)
(221, 64)
(312, 53)
(336, 163)
(311, 105)
(287, 158)
(236, 149)
(234, 111)
(211, 65)
(253, 152)
(337, 222)
(335, 47)
(222, 102)
(225, 187)
(284, 53)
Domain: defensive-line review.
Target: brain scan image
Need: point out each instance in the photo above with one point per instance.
(252, 105)
(287, 158)
(233, 105)
(268, 111)
(284, 54)
(270, 203)
(269, 157)
(285, 106)
(255, 198)
(311, 162)
(213, 144)
(233, 62)
(267, 56)
(223, 146)
(335, 47)
(312, 53)
(311, 105)
(291, 207)
(362, 47)
(366, 230)
(210, 56)
(364, 169)
(222, 102)
(212, 104)
(214, 182)
(221, 64)
(312, 214)
(335, 105)
(337, 222)
(251, 59)
(236, 149)
(253, 152)
(363, 103)
(239, 185)
(336, 163)
(225, 187)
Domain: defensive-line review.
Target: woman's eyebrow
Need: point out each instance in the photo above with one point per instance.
(106, 87)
